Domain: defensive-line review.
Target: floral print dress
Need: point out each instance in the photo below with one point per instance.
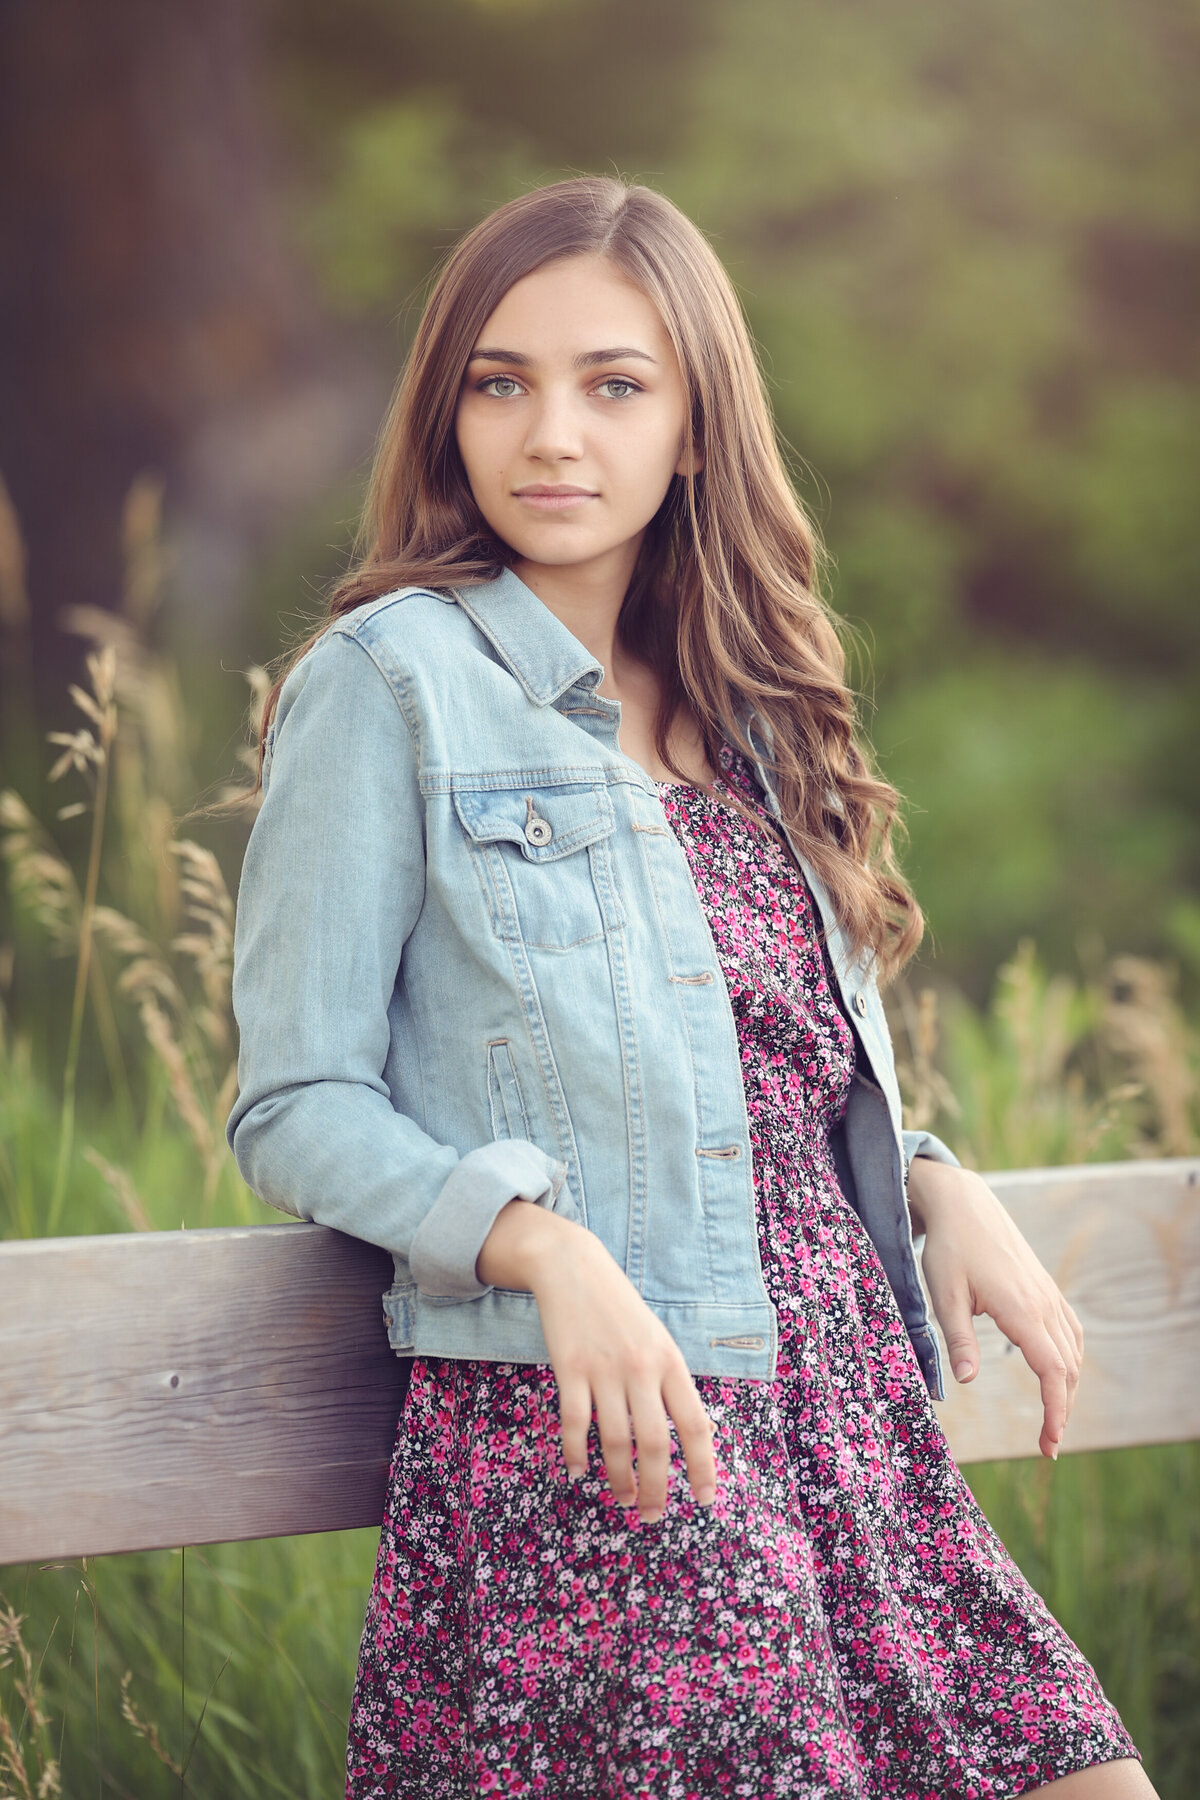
(841, 1622)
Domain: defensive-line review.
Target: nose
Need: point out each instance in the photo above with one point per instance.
(555, 431)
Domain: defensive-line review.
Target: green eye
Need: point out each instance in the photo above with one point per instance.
(619, 381)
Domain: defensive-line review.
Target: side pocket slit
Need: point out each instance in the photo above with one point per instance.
(507, 1108)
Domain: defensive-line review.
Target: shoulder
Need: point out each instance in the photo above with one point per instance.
(421, 649)
(373, 651)
(355, 670)
(410, 623)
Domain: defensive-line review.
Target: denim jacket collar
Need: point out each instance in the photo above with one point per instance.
(530, 639)
(546, 658)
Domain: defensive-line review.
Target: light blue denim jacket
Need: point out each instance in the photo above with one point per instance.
(470, 965)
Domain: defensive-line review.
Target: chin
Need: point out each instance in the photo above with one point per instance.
(556, 552)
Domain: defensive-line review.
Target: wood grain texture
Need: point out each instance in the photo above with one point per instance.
(1123, 1242)
(202, 1386)
(159, 1388)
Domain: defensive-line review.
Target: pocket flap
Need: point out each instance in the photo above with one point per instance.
(544, 822)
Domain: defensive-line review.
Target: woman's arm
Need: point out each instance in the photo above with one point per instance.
(976, 1261)
(332, 883)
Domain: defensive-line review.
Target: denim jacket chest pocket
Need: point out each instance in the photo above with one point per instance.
(544, 856)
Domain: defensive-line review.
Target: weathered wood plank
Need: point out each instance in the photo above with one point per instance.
(159, 1388)
(1123, 1242)
(201, 1386)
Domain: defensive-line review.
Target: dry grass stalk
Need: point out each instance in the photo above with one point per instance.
(927, 1092)
(166, 1047)
(83, 752)
(174, 1030)
(246, 797)
(120, 1184)
(41, 879)
(15, 1753)
(209, 906)
(1025, 1097)
(1038, 1021)
(1144, 1028)
(148, 697)
(144, 1728)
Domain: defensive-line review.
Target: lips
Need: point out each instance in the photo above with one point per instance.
(545, 498)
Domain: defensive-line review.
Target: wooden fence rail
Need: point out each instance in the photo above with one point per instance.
(189, 1387)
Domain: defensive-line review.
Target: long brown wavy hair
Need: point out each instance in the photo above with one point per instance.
(724, 602)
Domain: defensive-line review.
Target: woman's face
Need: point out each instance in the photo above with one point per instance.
(570, 418)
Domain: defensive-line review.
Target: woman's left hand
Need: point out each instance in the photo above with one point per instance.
(976, 1261)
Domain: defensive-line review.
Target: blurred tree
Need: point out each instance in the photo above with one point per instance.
(147, 288)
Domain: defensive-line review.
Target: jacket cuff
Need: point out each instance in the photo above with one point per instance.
(924, 1143)
(449, 1238)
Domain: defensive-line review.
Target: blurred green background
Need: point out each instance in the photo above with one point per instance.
(967, 239)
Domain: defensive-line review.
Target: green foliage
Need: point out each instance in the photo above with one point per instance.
(1030, 813)
(410, 177)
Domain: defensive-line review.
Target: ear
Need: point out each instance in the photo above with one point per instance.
(690, 465)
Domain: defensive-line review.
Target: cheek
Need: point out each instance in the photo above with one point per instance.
(482, 447)
(652, 454)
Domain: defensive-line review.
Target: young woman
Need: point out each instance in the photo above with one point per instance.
(559, 944)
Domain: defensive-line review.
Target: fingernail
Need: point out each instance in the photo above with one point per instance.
(650, 1518)
(964, 1371)
(1054, 1454)
(705, 1496)
(575, 1471)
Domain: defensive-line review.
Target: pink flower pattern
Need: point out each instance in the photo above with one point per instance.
(841, 1622)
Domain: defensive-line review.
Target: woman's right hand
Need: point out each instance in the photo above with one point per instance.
(609, 1352)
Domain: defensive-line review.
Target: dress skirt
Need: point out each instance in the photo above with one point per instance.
(842, 1621)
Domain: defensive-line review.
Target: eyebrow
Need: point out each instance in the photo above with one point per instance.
(587, 359)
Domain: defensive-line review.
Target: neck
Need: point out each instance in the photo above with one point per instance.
(587, 599)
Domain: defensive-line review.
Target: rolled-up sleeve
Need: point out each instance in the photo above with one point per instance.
(332, 883)
(924, 1143)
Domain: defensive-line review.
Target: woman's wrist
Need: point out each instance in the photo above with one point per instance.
(931, 1186)
(523, 1240)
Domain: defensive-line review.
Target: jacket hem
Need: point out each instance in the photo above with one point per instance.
(502, 1325)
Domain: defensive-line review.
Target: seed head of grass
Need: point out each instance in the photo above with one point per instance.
(1146, 1031)
(16, 1751)
(145, 1728)
(120, 1185)
(166, 1047)
(41, 880)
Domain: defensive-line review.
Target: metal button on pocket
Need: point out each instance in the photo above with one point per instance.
(860, 1004)
(538, 831)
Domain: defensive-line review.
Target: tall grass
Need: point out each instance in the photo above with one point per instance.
(226, 1671)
